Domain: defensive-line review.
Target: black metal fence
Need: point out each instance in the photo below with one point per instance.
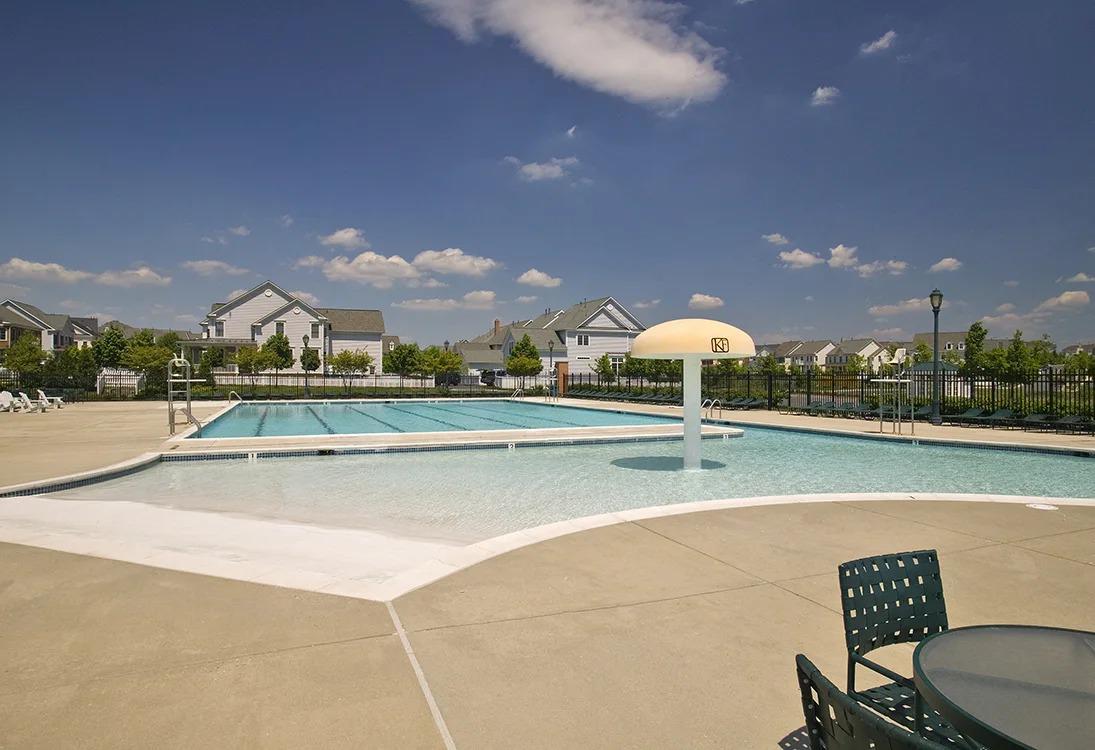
(1052, 393)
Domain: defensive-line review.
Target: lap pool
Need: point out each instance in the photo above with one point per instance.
(250, 420)
(463, 496)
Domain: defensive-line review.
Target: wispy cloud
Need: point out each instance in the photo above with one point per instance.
(775, 238)
(1011, 283)
(213, 268)
(1065, 302)
(308, 297)
(635, 49)
(525, 299)
(535, 277)
(368, 267)
(552, 169)
(453, 260)
(647, 304)
(20, 269)
(700, 301)
(1080, 278)
(914, 305)
(477, 300)
(881, 44)
(239, 231)
(572, 131)
(823, 96)
(877, 267)
(285, 220)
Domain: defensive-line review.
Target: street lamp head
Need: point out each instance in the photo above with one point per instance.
(936, 298)
(551, 346)
(305, 339)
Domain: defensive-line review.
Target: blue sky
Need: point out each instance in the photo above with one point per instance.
(422, 157)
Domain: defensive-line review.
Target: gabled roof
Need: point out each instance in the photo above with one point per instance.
(9, 316)
(853, 346)
(29, 312)
(786, 349)
(478, 353)
(811, 347)
(349, 320)
(541, 338)
(91, 325)
(492, 338)
(578, 315)
(293, 302)
(218, 307)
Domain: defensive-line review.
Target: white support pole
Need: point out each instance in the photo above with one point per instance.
(691, 412)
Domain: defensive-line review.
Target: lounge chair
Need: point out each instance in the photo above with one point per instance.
(756, 403)
(55, 401)
(1004, 417)
(965, 417)
(820, 408)
(28, 405)
(1035, 422)
(9, 402)
(862, 410)
(922, 413)
(1074, 423)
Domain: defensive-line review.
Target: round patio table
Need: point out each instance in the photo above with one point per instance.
(1012, 686)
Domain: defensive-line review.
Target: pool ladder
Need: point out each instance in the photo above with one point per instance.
(178, 384)
(711, 404)
(517, 392)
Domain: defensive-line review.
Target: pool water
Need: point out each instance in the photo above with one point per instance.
(362, 417)
(469, 495)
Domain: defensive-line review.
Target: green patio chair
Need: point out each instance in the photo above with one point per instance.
(1035, 422)
(836, 722)
(1074, 423)
(888, 599)
(1000, 417)
(965, 417)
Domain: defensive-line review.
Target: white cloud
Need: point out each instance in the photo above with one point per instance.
(534, 277)
(843, 256)
(477, 300)
(775, 238)
(1091, 249)
(1005, 308)
(946, 264)
(350, 238)
(235, 293)
(823, 96)
(285, 220)
(881, 44)
(427, 282)
(634, 49)
(1064, 301)
(798, 259)
(213, 268)
(454, 260)
(140, 276)
(892, 334)
(1080, 278)
(647, 304)
(552, 169)
(28, 270)
(809, 298)
(571, 131)
(525, 299)
(365, 268)
(875, 267)
(916, 304)
(1011, 283)
(308, 297)
(240, 231)
(700, 301)
(186, 318)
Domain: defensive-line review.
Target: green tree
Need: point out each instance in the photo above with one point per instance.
(922, 353)
(729, 367)
(1081, 363)
(348, 363)
(211, 358)
(524, 359)
(440, 363)
(25, 356)
(169, 340)
(251, 361)
(633, 367)
(279, 351)
(975, 349)
(143, 337)
(109, 347)
(856, 363)
(952, 357)
(151, 361)
(603, 368)
(403, 360)
(768, 364)
(1044, 352)
(309, 360)
(73, 367)
(1021, 364)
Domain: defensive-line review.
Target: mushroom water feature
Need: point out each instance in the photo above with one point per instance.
(693, 340)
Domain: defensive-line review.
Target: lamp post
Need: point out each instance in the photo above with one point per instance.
(305, 339)
(936, 298)
(551, 366)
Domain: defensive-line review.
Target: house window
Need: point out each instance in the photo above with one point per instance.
(961, 345)
(3, 334)
(391, 346)
(315, 330)
(583, 358)
(218, 329)
(949, 346)
(583, 339)
(279, 328)
(617, 362)
(256, 331)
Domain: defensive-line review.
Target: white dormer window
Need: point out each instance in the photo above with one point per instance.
(949, 346)
(583, 339)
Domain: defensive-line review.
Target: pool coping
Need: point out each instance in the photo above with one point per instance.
(454, 557)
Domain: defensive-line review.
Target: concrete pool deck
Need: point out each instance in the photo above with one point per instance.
(668, 632)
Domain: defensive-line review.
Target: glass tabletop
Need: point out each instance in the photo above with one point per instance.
(1012, 686)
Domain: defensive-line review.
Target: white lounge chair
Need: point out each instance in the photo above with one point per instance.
(9, 402)
(28, 405)
(51, 400)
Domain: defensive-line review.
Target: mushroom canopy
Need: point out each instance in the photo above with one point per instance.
(693, 337)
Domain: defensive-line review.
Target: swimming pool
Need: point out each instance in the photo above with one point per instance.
(464, 496)
(370, 417)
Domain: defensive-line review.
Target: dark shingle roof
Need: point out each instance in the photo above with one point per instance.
(13, 318)
(353, 321)
(541, 338)
(567, 319)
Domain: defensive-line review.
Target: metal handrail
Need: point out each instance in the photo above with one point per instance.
(233, 393)
(517, 392)
(711, 409)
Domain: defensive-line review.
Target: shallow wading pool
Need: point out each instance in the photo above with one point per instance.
(464, 496)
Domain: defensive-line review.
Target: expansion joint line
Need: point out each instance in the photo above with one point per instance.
(438, 719)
